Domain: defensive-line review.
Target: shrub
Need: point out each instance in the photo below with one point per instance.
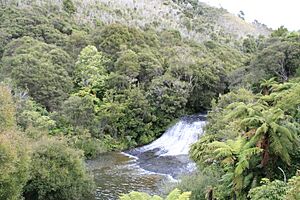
(57, 172)
(174, 195)
(293, 192)
(14, 165)
(7, 109)
(198, 184)
(69, 6)
(89, 145)
(274, 190)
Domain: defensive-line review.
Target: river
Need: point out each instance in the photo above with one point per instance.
(148, 168)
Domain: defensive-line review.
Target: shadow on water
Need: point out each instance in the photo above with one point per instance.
(147, 168)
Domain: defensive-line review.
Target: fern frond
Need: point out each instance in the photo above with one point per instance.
(174, 194)
(241, 166)
(185, 196)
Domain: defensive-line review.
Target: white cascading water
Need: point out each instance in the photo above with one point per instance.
(177, 139)
(148, 167)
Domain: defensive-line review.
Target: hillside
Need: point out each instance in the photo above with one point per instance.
(194, 20)
(87, 80)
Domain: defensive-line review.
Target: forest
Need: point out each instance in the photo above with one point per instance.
(74, 85)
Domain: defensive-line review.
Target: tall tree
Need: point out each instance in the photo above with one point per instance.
(280, 59)
(40, 68)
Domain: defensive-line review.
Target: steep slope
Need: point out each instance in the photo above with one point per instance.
(193, 19)
(152, 61)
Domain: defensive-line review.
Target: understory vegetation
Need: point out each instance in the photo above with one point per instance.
(250, 149)
(70, 91)
(174, 195)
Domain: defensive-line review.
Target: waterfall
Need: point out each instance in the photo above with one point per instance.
(148, 167)
(177, 139)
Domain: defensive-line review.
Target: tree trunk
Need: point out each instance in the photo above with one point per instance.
(210, 195)
(265, 146)
(234, 196)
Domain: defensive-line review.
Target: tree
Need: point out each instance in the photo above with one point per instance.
(277, 190)
(268, 128)
(241, 15)
(90, 67)
(127, 115)
(265, 122)
(280, 59)
(111, 111)
(34, 21)
(168, 96)
(40, 68)
(293, 191)
(7, 109)
(128, 64)
(207, 80)
(90, 73)
(280, 32)
(140, 116)
(150, 67)
(77, 42)
(31, 115)
(287, 97)
(266, 85)
(79, 112)
(57, 172)
(117, 81)
(249, 44)
(114, 38)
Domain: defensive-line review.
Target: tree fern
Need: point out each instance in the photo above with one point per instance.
(236, 157)
(273, 133)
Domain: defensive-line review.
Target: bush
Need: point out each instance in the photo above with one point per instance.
(78, 112)
(57, 172)
(277, 190)
(91, 146)
(198, 184)
(69, 6)
(7, 109)
(30, 114)
(274, 190)
(174, 195)
(293, 192)
(14, 165)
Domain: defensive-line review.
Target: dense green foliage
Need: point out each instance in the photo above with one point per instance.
(72, 88)
(34, 165)
(253, 134)
(14, 165)
(57, 172)
(118, 83)
(7, 109)
(276, 190)
(40, 68)
(174, 195)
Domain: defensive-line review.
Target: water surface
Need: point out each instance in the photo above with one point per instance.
(149, 168)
